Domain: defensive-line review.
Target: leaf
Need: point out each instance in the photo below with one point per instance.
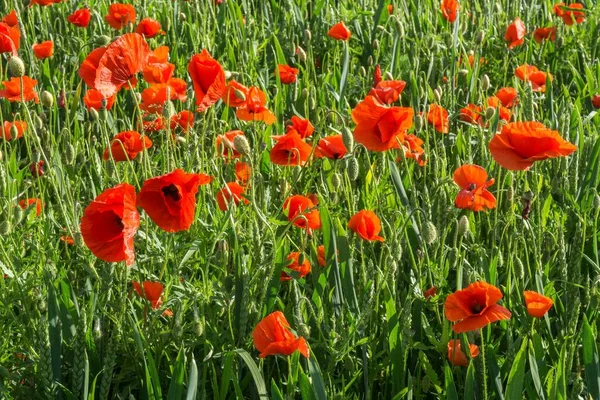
(537, 382)
(176, 385)
(255, 372)
(317, 378)
(514, 387)
(275, 392)
(590, 360)
(344, 77)
(306, 389)
(494, 371)
(192, 380)
(451, 393)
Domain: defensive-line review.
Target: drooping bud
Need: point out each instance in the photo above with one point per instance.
(69, 154)
(336, 180)
(463, 226)
(362, 71)
(93, 113)
(485, 82)
(388, 76)
(429, 233)
(375, 44)
(353, 168)
(241, 145)
(480, 36)
(348, 139)
(307, 35)
(418, 123)
(437, 94)
(239, 95)
(15, 67)
(47, 99)
(489, 113)
(301, 54)
(102, 40)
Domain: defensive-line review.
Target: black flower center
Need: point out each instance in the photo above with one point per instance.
(476, 308)
(119, 222)
(172, 192)
(472, 186)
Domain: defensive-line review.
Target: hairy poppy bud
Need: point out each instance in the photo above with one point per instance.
(559, 41)
(388, 76)
(181, 139)
(485, 82)
(239, 95)
(370, 60)
(519, 268)
(463, 73)
(353, 168)
(510, 193)
(301, 54)
(429, 233)
(596, 201)
(399, 27)
(418, 122)
(14, 132)
(480, 36)
(69, 154)
(489, 113)
(93, 114)
(169, 110)
(4, 228)
(312, 101)
(47, 99)
(305, 93)
(348, 139)
(182, 17)
(463, 226)
(307, 35)
(17, 215)
(284, 186)
(362, 71)
(15, 67)
(241, 145)
(110, 168)
(437, 94)
(336, 180)
(101, 40)
(375, 44)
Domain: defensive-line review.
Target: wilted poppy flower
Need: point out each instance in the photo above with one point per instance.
(272, 336)
(10, 38)
(120, 15)
(243, 172)
(438, 117)
(67, 240)
(457, 357)
(472, 179)
(232, 193)
(504, 113)
(235, 94)
(367, 225)
(183, 120)
(545, 33)
(300, 125)
(126, 146)
(302, 269)
(321, 256)
(26, 203)
(151, 291)
(9, 128)
(380, 128)
(109, 224)
(569, 14)
(12, 89)
(413, 148)
(515, 33)
(80, 18)
(11, 19)
(471, 114)
(287, 74)
(331, 147)
(508, 96)
(449, 10)
(153, 123)
(475, 307)
(431, 292)
(208, 78)
(530, 73)
(225, 146)
(537, 304)
(149, 28)
(254, 108)
(377, 75)
(43, 50)
(339, 32)
(520, 144)
(37, 168)
(388, 92)
(302, 212)
(94, 99)
(596, 101)
(170, 200)
(290, 149)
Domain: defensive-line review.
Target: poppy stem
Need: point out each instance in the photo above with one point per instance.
(484, 385)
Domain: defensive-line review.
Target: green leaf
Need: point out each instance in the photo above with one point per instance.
(537, 382)
(275, 392)
(255, 372)
(590, 360)
(451, 393)
(514, 387)
(317, 378)
(494, 371)
(306, 389)
(192, 380)
(176, 385)
(470, 382)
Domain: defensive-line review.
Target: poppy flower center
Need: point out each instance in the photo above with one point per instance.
(472, 187)
(476, 308)
(172, 191)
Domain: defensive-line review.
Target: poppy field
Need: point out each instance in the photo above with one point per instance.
(299, 199)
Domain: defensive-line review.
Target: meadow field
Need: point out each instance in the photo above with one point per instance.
(299, 199)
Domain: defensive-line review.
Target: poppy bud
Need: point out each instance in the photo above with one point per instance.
(69, 154)
(362, 71)
(353, 168)
(336, 180)
(559, 41)
(15, 67)
(284, 186)
(448, 40)
(305, 92)
(307, 35)
(14, 132)
(485, 82)
(528, 196)
(375, 44)
(103, 114)
(182, 17)
(480, 36)
(348, 139)
(47, 99)
(596, 201)
(463, 73)
(463, 226)
(93, 114)
(301, 54)
(429, 233)
(489, 113)
(399, 27)
(101, 40)
(169, 110)
(370, 60)
(4, 228)
(519, 268)
(388, 76)
(510, 193)
(312, 101)
(239, 95)
(437, 94)
(418, 122)
(241, 145)
(17, 215)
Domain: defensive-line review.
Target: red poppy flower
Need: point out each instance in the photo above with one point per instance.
(431, 292)
(438, 117)
(471, 60)
(120, 15)
(388, 92)
(67, 240)
(126, 146)
(254, 108)
(504, 112)
(12, 90)
(153, 123)
(569, 14)
(155, 97)
(545, 34)
(287, 74)
(302, 269)
(413, 148)
(235, 94)
(377, 75)
(537, 304)
(471, 114)
(515, 33)
(243, 172)
(43, 2)
(520, 144)
(472, 179)
(183, 120)
(149, 28)
(449, 10)
(339, 32)
(10, 38)
(508, 96)
(331, 147)
(380, 128)
(367, 225)
(530, 73)
(26, 203)
(390, 9)
(225, 146)
(89, 66)
(80, 18)
(272, 336)
(158, 72)
(208, 78)
(118, 65)
(151, 291)
(321, 256)
(109, 224)
(301, 125)
(290, 149)
(20, 126)
(94, 99)
(475, 307)
(170, 200)
(11, 19)
(596, 101)
(302, 212)
(457, 357)
(37, 168)
(232, 193)
(43, 50)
